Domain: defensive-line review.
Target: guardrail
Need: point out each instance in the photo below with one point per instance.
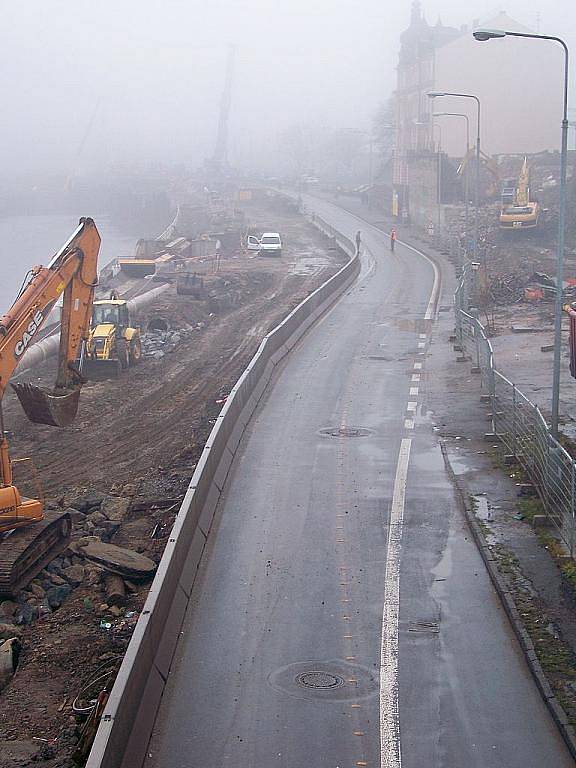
(129, 715)
(517, 422)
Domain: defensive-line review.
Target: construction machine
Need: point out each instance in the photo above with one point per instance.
(469, 163)
(33, 537)
(517, 210)
(114, 341)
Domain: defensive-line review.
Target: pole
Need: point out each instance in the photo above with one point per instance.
(487, 35)
(560, 254)
(477, 215)
(560, 268)
(370, 167)
(467, 189)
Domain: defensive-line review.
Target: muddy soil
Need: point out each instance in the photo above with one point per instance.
(136, 442)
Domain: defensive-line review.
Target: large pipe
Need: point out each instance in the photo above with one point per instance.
(43, 350)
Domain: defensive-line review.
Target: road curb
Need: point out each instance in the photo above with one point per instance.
(555, 708)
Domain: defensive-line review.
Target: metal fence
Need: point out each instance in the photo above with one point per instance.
(516, 421)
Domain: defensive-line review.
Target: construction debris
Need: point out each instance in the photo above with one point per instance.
(124, 562)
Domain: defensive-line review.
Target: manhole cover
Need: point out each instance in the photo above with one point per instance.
(346, 432)
(424, 626)
(319, 680)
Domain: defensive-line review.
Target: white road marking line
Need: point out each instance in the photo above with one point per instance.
(413, 390)
(412, 405)
(421, 344)
(415, 377)
(417, 366)
(422, 335)
(390, 750)
(408, 423)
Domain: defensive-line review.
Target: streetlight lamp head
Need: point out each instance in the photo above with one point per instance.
(433, 94)
(488, 34)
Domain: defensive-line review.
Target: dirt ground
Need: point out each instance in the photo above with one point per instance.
(133, 449)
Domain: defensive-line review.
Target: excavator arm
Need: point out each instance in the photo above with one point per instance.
(73, 273)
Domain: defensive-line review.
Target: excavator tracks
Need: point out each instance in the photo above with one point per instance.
(26, 551)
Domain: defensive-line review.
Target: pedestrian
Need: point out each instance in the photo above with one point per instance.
(358, 241)
(392, 239)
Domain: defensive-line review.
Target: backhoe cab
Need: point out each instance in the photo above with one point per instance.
(114, 341)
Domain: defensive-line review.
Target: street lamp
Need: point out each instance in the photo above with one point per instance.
(438, 94)
(438, 183)
(489, 34)
(466, 192)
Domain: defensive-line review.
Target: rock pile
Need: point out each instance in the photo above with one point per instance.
(90, 561)
(157, 343)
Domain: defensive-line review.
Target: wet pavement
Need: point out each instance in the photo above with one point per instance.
(343, 616)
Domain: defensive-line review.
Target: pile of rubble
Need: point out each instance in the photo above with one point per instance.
(157, 342)
(91, 561)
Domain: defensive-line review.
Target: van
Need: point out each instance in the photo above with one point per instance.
(270, 244)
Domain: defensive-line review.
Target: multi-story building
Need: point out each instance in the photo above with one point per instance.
(519, 84)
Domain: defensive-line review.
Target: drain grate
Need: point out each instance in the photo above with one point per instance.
(318, 679)
(346, 432)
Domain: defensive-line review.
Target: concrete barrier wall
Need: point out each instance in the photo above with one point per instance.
(128, 719)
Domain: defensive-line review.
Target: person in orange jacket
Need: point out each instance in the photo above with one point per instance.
(392, 239)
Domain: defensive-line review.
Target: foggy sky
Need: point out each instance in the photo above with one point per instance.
(141, 79)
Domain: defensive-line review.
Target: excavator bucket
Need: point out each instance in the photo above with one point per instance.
(43, 407)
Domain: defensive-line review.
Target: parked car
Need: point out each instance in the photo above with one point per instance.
(270, 244)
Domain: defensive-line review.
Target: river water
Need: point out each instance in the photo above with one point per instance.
(26, 241)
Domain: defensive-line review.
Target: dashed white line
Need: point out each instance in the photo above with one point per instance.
(408, 423)
(412, 405)
(417, 366)
(421, 344)
(415, 377)
(422, 335)
(414, 390)
(390, 751)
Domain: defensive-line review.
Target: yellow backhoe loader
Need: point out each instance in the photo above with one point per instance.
(114, 341)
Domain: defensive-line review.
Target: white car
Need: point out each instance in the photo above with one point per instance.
(270, 244)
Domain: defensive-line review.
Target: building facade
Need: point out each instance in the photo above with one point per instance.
(518, 81)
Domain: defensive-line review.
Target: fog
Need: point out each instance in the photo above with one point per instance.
(92, 86)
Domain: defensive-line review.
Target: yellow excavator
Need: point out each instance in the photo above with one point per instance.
(517, 210)
(31, 536)
(114, 342)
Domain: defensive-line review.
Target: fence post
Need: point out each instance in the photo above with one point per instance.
(514, 452)
(572, 509)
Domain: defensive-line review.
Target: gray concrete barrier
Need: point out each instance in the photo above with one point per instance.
(127, 722)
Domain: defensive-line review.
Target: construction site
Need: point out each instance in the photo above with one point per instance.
(146, 424)
(291, 478)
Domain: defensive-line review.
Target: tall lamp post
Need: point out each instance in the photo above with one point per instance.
(466, 192)
(489, 34)
(438, 183)
(438, 94)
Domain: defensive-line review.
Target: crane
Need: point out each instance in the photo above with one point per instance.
(220, 157)
(37, 536)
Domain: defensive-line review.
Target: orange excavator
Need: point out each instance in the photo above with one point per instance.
(31, 536)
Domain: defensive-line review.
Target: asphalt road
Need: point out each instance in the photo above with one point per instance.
(343, 617)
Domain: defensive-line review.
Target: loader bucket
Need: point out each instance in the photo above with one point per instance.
(100, 370)
(43, 407)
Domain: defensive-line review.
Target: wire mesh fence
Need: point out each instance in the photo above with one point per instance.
(516, 421)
